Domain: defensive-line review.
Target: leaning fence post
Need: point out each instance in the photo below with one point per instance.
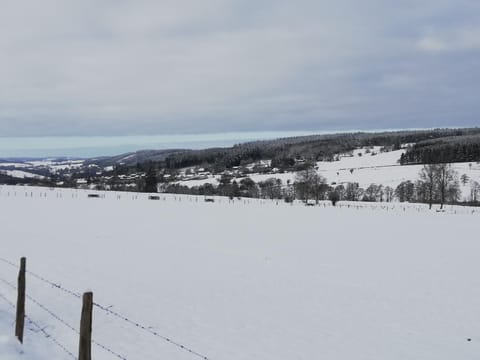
(20, 318)
(85, 346)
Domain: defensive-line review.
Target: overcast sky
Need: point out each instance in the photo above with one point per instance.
(117, 67)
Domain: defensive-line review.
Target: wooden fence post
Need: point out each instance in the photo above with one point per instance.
(85, 346)
(20, 318)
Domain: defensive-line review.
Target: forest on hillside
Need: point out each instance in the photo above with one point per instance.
(455, 145)
(444, 150)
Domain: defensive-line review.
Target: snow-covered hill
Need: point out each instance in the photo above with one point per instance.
(21, 174)
(364, 167)
(240, 280)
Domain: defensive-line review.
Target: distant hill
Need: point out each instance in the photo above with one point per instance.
(133, 158)
(444, 150)
(129, 170)
(283, 152)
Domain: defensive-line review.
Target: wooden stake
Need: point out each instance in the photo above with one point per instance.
(85, 346)
(20, 318)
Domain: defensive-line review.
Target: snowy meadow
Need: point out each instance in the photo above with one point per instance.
(238, 280)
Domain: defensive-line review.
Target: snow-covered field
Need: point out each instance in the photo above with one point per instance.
(381, 168)
(242, 280)
(21, 174)
(51, 164)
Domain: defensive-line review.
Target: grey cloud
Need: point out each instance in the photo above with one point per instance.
(142, 67)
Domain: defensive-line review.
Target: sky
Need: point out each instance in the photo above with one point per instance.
(141, 67)
(94, 146)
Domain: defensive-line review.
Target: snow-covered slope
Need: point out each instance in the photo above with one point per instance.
(50, 164)
(21, 174)
(381, 168)
(242, 280)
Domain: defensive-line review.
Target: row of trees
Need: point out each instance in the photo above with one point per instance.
(286, 152)
(444, 150)
(437, 183)
(307, 187)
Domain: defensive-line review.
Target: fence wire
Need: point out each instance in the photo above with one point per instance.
(46, 281)
(59, 319)
(50, 337)
(7, 301)
(106, 309)
(147, 329)
(41, 329)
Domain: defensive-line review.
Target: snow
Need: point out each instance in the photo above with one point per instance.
(51, 164)
(47, 162)
(284, 177)
(16, 165)
(9, 349)
(382, 168)
(21, 174)
(249, 279)
(212, 179)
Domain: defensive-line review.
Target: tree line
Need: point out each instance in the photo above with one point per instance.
(286, 152)
(444, 150)
(437, 184)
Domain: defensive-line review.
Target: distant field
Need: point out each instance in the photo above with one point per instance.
(243, 280)
(365, 168)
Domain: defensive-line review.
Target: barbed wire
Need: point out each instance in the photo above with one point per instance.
(49, 282)
(41, 329)
(50, 337)
(55, 285)
(43, 307)
(7, 301)
(149, 330)
(8, 262)
(58, 318)
(8, 283)
(108, 350)
(114, 313)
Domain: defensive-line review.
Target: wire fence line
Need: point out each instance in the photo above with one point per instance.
(59, 319)
(43, 279)
(43, 307)
(49, 336)
(459, 208)
(7, 301)
(41, 329)
(106, 309)
(149, 330)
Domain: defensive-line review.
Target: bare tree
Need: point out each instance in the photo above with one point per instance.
(340, 190)
(303, 181)
(309, 184)
(446, 179)
(353, 192)
(405, 191)
(319, 187)
(439, 181)
(389, 193)
(464, 179)
(374, 193)
(428, 177)
(453, 192)
(474, 191)
(271, 188)
(421, 191)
